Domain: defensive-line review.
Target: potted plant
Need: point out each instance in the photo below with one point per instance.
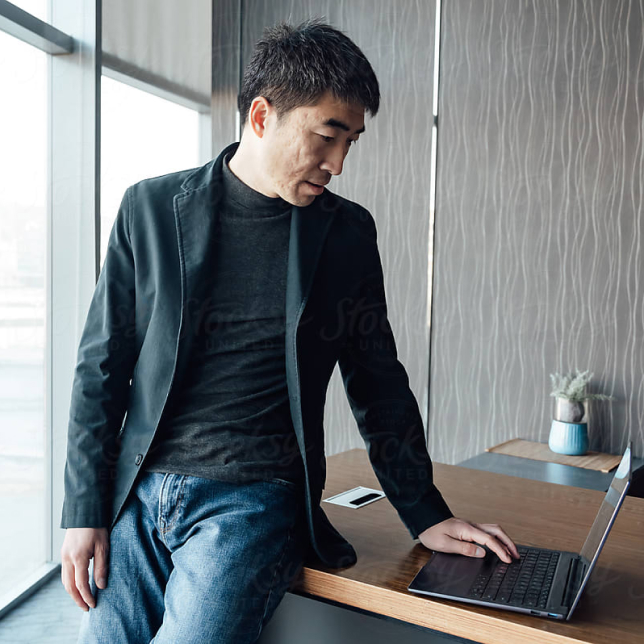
(569, 431)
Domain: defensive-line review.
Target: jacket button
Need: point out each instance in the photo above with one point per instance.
(139, 458)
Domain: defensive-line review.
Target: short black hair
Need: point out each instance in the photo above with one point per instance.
(294, 66)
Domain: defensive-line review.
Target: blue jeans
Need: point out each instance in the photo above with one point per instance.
(197, 560)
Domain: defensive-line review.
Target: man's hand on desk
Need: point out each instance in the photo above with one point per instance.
(460, 537)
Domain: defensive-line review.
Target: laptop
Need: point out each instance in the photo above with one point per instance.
(547, 583)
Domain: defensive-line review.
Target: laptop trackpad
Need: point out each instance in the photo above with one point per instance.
(453, 574)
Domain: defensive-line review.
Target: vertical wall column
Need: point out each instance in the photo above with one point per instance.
(226, 70)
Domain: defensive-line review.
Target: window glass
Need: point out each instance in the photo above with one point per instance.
(142, 136)
(23, 243)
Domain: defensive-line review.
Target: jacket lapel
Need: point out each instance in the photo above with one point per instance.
(309, 228)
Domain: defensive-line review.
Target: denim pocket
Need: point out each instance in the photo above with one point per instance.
(290, 484)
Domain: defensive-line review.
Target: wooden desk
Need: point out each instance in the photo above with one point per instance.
(532, 512)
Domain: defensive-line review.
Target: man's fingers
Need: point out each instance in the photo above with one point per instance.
(82, 581)
(498, 532)
(468, 532)
(79, 546)
(463, 537)
(68, 577)
(460, 547)
(101, 552)
(486, 539)
(471, 549)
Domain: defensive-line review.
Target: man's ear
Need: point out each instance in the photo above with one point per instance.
(258, 113)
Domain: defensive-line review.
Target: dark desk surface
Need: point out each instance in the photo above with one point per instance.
(527, 468)
(532, 512)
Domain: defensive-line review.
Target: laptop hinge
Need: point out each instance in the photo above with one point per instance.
(575, 576)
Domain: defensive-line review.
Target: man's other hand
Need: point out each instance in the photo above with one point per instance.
(460, 537)
(79, 546)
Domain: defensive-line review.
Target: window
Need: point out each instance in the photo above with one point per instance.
(49, 151)
(142, 135)
(23, 316)
(47, 184)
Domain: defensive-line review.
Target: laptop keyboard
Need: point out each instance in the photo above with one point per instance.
(524, 582)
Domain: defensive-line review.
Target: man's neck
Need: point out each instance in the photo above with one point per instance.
(242, 167)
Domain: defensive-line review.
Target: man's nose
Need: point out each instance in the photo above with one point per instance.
(334, 161)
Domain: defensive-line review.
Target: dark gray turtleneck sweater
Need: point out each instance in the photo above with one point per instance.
(229, 419)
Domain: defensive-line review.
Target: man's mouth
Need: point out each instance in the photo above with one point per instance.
(316, 187)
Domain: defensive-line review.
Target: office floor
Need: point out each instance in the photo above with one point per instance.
(49, 616)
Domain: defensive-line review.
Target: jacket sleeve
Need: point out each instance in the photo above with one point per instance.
(101, 383)
(384, 406)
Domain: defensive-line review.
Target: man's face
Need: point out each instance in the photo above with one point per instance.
(308, 147)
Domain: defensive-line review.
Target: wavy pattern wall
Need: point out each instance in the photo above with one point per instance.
(539, 256)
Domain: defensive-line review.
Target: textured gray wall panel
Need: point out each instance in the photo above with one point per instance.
(225, 72)
(539, 242)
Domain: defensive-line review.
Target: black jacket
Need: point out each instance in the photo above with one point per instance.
(136, 342)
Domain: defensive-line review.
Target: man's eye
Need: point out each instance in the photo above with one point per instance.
(327, 139)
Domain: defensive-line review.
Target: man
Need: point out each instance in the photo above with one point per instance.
(228, 294)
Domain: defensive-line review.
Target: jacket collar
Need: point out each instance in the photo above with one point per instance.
(207, 174)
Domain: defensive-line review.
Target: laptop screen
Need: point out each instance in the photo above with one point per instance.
(608, 508)
(604, 521)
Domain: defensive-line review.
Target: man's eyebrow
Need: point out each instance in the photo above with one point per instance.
(341, 125)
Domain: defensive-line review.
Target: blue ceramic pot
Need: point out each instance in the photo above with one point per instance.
(568, 438)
